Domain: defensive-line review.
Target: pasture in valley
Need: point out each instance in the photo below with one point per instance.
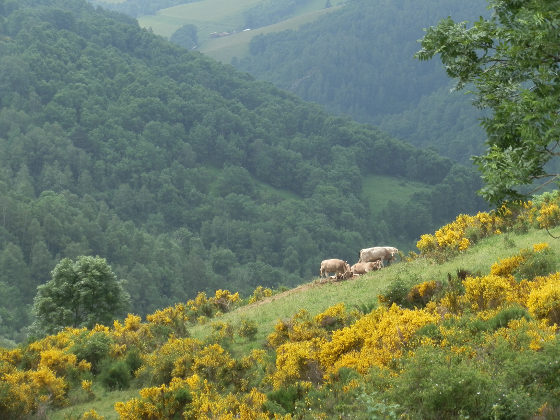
(227, 16)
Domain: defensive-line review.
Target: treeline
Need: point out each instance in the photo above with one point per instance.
(358, 61)
(183, 173)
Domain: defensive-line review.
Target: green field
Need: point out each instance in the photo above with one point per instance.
(237, 45)
(316, 296)
(379, 190)
(226, 16)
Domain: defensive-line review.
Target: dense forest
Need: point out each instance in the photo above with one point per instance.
(185, 174)
(359, 61)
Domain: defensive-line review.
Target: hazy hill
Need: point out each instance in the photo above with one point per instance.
(184, 173)
(359, 61)
(354, 57)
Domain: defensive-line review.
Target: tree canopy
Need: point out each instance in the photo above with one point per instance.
(81, 293)
(185, 174)
(512, 62)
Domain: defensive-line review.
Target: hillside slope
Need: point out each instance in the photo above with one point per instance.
(358, 61)
(355, 58)
(183, 173)
(469, 331)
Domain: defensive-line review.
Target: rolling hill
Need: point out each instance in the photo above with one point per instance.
(355, 58)
(184, 173)
(453, 328)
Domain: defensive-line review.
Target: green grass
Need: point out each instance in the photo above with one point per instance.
(379, 190)
(208, 15)
(103, 404)
(226, 16)
(315, 297)
(237, 45)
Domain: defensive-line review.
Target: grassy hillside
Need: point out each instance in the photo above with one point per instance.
(183, 173)
(225, 16)
(236, 46)
(380, 190)
(487, 337)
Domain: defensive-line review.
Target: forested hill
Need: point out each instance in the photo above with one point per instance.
(359, 61)
(184, 173)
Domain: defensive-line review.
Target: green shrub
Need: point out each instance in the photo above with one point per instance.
(502, 318)
(133, 360)
(397, 292)
(438, 384)
(94, 348)
(536, 264)
(285, 398)
(115, 375)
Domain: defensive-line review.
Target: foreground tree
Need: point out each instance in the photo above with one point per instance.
(512, 61)
(81, 293)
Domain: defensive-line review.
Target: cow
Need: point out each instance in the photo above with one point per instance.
(333, 266)
(378, 253)
(366, 267)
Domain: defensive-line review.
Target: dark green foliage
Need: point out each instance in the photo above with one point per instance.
(284, 399)
(115, 375)
(133, 360)
(93, 348)
(359, 61)
(185, 175)
(517, 84)
(397, 292)
(186, 36)
(536, 264)
(81, 293)
(438, 384)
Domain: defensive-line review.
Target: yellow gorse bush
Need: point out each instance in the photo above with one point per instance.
(454, 236)
(544, 301)
(488, 292)
(374, 340)
(260, 293)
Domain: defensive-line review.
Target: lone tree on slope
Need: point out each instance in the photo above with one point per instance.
(81, 293)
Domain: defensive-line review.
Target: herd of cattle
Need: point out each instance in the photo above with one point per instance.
(371, 259)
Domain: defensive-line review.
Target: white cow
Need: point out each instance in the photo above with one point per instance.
(333, 266)
(366, 267)
(378, 253)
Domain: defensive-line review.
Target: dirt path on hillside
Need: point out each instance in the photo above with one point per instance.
(298, 289)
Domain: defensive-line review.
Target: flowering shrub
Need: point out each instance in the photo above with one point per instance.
(422, 293)
(298, 361)
(300, 328)
(173, 359)
(544, 301)
(248, 329)
(173, 318)
(460, 234)
(506, 266)
(160, 402)
(334, 317)
(260, 293)
(222, 301)
(373, 340)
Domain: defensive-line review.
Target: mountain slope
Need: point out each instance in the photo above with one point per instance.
(184, 173)
(452, 327)
(358, 61)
